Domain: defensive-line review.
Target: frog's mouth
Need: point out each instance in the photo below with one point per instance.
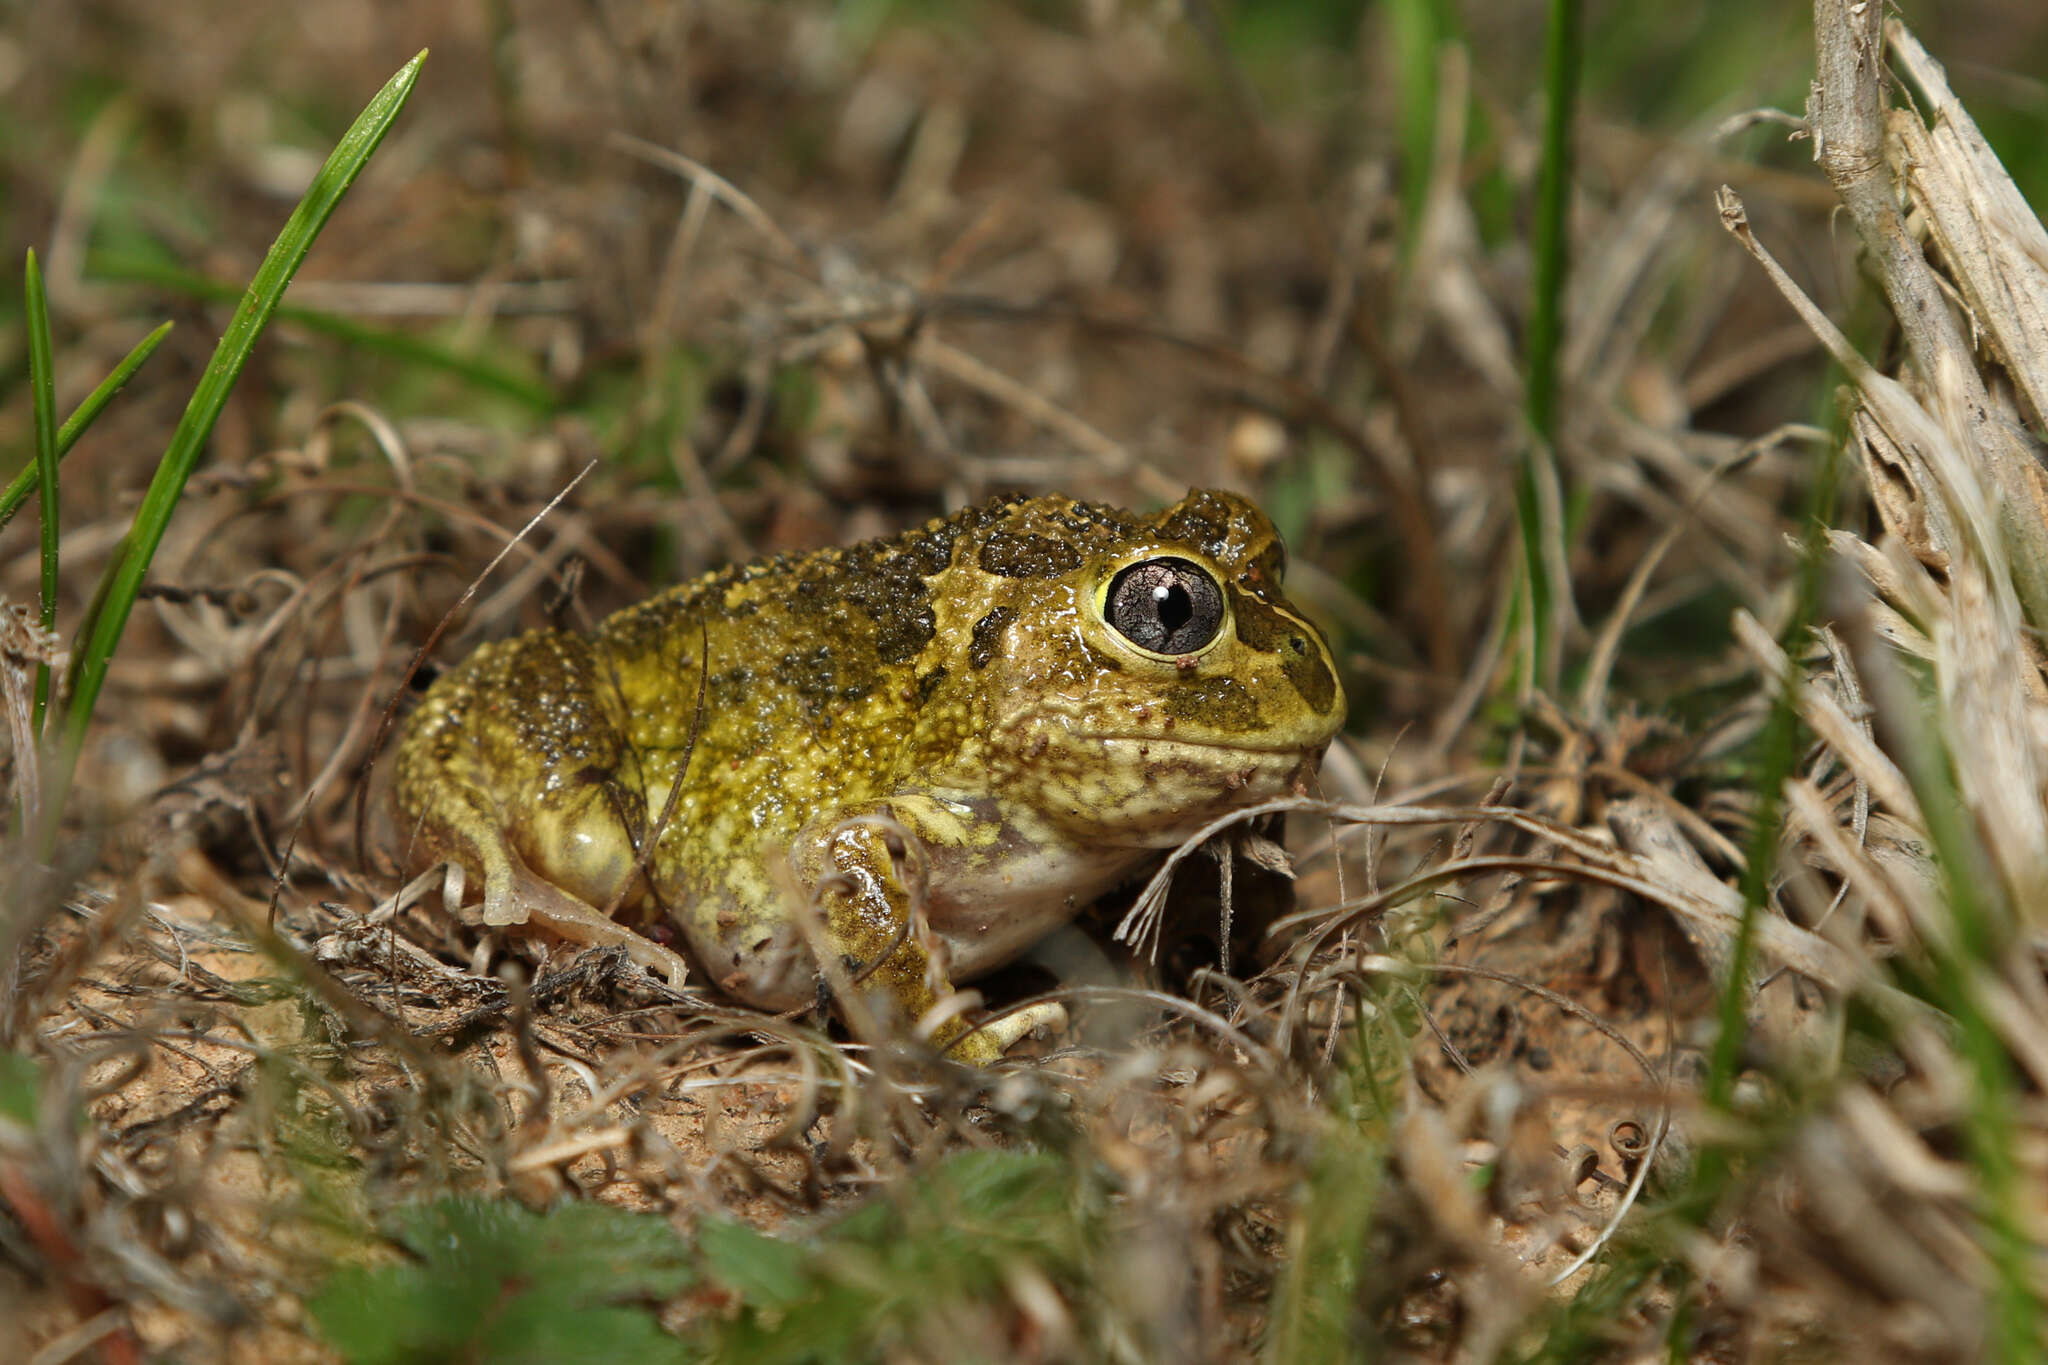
(1207, 751)
(1254, 771)
(1142, 791)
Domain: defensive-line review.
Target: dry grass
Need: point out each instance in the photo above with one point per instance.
(1467, 1091)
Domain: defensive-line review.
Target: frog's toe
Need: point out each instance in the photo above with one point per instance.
(986, 1045)
(1047, 1017)
(663, 963)
(506, 894)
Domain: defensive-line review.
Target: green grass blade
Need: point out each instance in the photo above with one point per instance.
(43, 397)
(1416, 31)
(123, 580)
(1546, 335)
(482, 374)
(1991, 1130)
(82, 418)
(1553, 213)
(1313, 1311)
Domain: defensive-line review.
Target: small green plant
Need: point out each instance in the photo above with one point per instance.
(496, 1281)
(1329, 1241)
(953, 1238)
(21, 1086)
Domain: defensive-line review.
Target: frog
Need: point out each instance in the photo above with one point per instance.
(881, 769)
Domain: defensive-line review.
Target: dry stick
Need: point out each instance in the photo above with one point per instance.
(1850, 740)
(23, 645)
(1888, 413)
(358, 723)
(682, 245)
(597, 553)
(92, 164)
(1852, 704)
(1700, 830)
(1751, 360)
(690, 472)
(1990, 241)
(1607, 647)
(957, 253)
(557, 565)
(706, 185)
(391, 444)
(1450, 721)
(1368, 186)
(1117, 458)
(726, 192)
(1846, 112)
(661, 321)
(1884, 900)
(1262, 1056)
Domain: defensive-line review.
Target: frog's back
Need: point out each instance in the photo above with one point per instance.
(791, 685)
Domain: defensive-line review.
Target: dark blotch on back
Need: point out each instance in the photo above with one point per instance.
(1227, 531)
(1027, 556)
(885, 582)
(817, 678)
(1193, 524)
(988, 636)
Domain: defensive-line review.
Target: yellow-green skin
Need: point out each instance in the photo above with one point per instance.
(917, 754)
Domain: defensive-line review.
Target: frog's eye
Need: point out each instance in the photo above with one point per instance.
(1169, 606)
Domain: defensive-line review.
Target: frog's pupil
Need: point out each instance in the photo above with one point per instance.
(1173, 606)
(1169, 606)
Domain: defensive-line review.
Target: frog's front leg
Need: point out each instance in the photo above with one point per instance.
(864, 875)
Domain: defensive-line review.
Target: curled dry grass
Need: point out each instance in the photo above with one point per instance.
(1468, 1100)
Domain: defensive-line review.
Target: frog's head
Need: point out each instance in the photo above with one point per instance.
(1144, 675)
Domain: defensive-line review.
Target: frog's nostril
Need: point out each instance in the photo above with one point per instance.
(1300, 645)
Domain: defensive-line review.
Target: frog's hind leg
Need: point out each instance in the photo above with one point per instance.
(542, 861)
(515, 894)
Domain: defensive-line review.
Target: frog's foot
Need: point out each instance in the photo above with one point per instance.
(517, 896)
(985, 1046)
